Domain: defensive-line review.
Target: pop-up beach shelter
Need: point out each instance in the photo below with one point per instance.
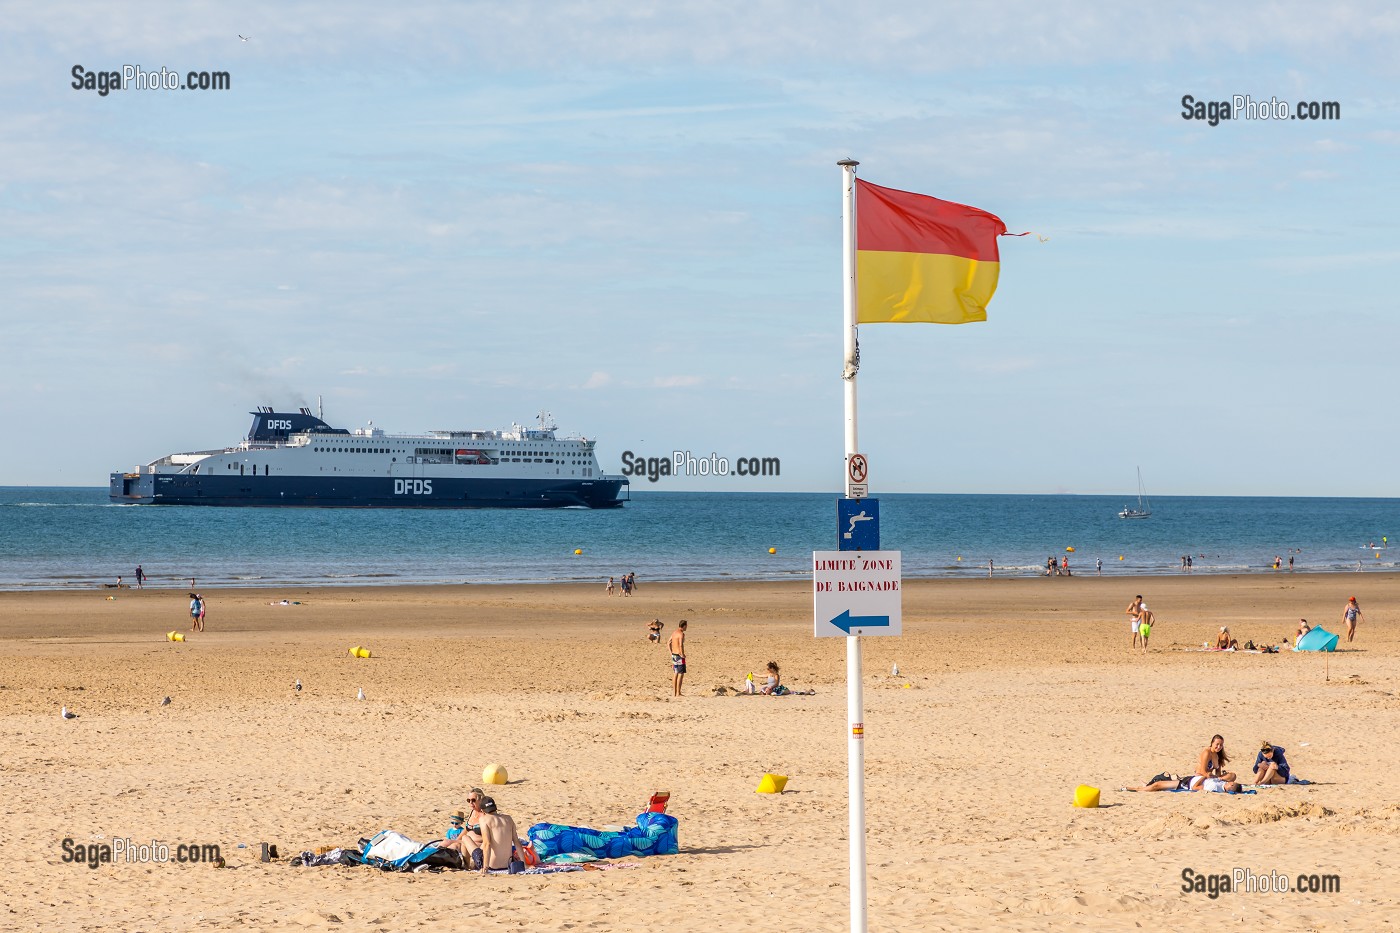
(1319, 639)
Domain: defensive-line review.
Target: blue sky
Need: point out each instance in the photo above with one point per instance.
(455, 215)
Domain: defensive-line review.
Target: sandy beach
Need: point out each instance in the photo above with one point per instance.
(1009, 694)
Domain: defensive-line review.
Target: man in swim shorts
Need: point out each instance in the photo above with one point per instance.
(677, 645)
(1133, 609)
(1145, 620)
(498, 840)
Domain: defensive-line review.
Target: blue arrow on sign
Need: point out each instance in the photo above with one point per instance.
(845, 621)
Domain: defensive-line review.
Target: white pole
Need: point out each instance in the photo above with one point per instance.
(855, 695)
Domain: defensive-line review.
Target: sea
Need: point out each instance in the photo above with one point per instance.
(75, 538)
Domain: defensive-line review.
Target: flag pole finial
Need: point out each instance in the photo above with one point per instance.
(850, 162)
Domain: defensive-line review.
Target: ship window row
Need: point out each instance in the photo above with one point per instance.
(353, 450)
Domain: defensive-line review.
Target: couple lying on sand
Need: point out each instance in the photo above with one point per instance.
(1270, 767)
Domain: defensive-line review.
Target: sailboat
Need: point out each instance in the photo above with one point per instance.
(1144, 506)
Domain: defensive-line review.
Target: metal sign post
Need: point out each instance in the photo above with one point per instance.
(855, 464)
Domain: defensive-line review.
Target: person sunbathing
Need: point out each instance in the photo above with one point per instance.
(1213, 759)
(499, 839)
(774, 679)
(1190, 782)
(1223, 641)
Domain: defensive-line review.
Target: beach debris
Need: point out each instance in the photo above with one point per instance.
(361, 694)
(894, 671)
(165, 702)
(297, 686)
(67, 715)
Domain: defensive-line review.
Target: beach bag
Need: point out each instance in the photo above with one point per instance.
(527, 853)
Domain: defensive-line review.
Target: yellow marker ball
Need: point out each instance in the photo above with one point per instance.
(772, 550)
(1070, 550)
(578, 550)
(959, 558)
(1120, 556)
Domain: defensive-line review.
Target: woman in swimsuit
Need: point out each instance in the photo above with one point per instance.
(1213, 759)
(1351, 615)
(774, 678)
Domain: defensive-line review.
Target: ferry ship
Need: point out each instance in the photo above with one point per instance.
(297, 459)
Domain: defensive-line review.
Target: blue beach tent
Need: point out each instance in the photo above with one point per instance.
(1319, 639)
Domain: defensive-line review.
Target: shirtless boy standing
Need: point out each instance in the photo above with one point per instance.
(678, 657)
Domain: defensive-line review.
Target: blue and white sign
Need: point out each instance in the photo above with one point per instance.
(857, 593)
(857, 524)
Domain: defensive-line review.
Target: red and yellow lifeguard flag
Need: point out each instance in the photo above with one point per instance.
(919, 259)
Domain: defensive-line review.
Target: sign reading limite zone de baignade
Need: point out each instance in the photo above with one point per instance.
(856, 593)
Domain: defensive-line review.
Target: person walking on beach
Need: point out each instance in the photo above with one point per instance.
(140, 578)
(610, 586)
(1290, 563)
(1351, 615)
(1145, 620)
(1098, 566)
(677, 645)
(196, 611)
(1133, 611)
(990, 567)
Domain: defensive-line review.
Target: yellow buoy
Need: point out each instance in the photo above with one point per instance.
(1070, 550)
(362, 653)
(960, 557)
(1120, 556)
(494, 774)
(578, 550)
(1086, 797)
(174, 636)
(771, 784)
(772, 550)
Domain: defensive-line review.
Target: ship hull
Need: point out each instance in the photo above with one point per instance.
(365, 492)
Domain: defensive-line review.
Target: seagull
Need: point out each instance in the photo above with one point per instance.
(297, 686)
(243, 37)
(361, 694)
(165, 702)
(67, 715)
